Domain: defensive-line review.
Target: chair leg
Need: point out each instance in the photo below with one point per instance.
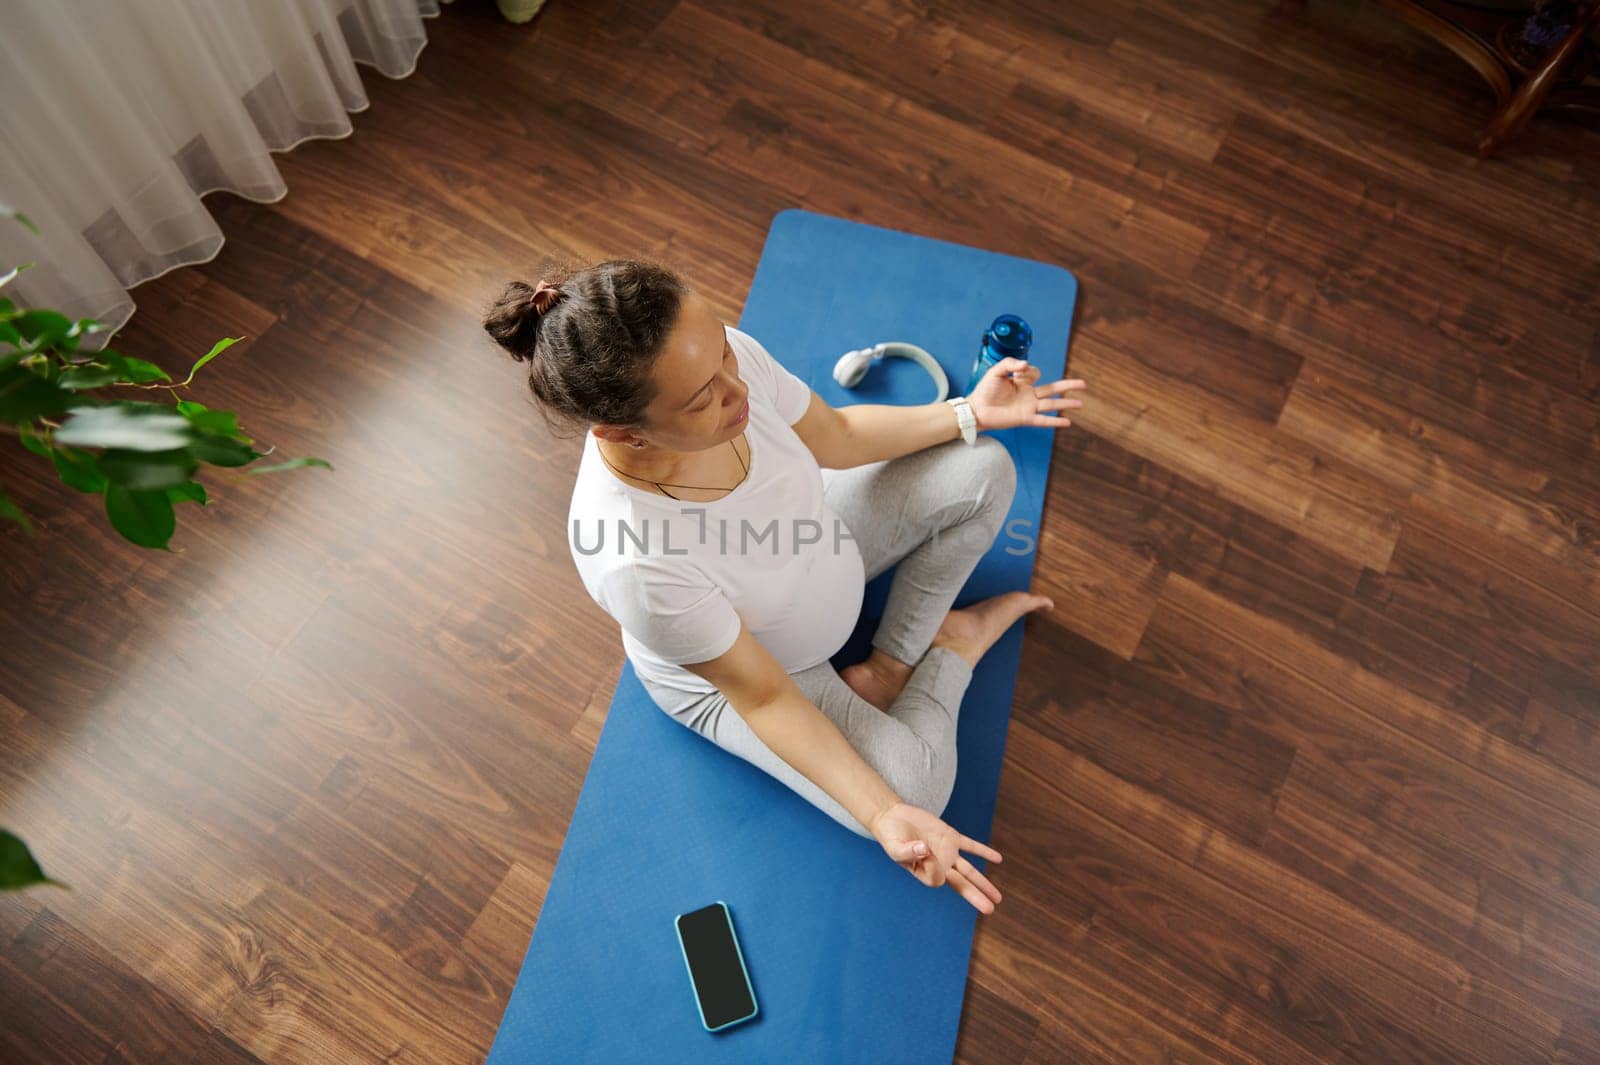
(1516, 112)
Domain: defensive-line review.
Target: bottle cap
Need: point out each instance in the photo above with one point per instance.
(1010, 336)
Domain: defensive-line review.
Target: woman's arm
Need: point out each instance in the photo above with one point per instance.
(802, 735)
(757, 687)
(866, 432)
(1005, 396)
(792, 727)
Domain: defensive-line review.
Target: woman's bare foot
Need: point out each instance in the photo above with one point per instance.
(878, 680)
(972, 630)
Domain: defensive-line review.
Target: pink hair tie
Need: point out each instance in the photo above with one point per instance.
(545, 296)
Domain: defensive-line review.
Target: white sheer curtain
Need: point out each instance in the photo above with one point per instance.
(116, 115)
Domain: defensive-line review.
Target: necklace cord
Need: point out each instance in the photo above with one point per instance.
(696, 487)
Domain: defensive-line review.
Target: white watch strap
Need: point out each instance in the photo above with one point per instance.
(965, 418)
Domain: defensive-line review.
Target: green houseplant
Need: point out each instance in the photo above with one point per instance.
(141, 456)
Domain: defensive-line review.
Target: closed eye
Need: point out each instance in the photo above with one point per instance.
(727, 353)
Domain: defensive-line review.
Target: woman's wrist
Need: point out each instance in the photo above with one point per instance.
(884, 807)
(964, 409)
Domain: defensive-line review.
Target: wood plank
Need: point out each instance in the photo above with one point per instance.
(1532, 820)
(1223, 908)
(1172, 424)
(1304, 768)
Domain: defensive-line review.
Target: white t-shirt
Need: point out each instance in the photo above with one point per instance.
(678, 575)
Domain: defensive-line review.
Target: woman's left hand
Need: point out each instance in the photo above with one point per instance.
(930, 850)
(1006, 395)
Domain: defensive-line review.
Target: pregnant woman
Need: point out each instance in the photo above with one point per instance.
(729, 519)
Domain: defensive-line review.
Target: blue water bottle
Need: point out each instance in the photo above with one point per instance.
(1009, 337)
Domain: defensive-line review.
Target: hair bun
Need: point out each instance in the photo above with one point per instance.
(513, 320)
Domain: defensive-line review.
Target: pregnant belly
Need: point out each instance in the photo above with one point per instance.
(804, 609)
(826, 605)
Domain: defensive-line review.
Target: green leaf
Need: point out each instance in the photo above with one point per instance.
(221, 451)
(78, 469)
(17, 867)
(135, 370)
(221, 422)
(7, 211)
(86, 376)
(43, 328)
(217, 349)
(25, 396)
(33, 441)
(147, 469)
(292, 464)
(194, 490)
(143, 517)
(137, 426)
(9, 509)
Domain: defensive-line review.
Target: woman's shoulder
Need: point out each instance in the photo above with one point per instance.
(648, 583)
(625, 540)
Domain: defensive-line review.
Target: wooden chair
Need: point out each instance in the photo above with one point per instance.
(1524, 77)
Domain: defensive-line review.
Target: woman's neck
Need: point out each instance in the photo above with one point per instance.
(717, 467)
(648, 463)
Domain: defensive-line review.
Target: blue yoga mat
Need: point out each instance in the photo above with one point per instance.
(851, 958)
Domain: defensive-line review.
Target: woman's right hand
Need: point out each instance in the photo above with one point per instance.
(930, 850)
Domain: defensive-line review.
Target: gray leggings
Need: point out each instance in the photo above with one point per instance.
(935, 512)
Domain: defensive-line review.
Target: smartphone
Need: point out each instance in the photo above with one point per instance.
(716, 966)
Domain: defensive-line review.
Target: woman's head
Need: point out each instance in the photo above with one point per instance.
(627, 348)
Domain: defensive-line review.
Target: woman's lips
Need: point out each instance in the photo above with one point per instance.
(743, 412)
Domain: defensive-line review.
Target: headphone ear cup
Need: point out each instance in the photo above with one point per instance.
(852, 368)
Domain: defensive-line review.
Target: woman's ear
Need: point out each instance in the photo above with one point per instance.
(620, 435)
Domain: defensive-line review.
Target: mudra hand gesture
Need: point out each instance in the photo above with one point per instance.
(931, 851)
(1006, 395)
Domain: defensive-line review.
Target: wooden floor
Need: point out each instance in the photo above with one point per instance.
(1305, 767)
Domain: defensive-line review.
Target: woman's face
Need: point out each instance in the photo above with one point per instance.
(700, 401)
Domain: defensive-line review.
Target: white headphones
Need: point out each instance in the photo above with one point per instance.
(853, 365)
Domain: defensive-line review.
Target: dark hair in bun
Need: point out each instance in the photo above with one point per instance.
(590, 336)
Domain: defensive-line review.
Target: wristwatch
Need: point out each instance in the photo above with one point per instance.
(965, 418)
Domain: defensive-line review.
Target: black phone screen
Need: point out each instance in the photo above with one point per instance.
(714, 965)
